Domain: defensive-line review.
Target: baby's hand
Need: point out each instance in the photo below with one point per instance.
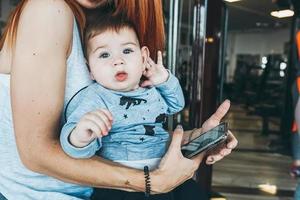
(91, 125)
(155, 73)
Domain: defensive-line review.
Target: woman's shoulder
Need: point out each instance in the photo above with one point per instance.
(61, 4)
(51, 19)
(53, 8)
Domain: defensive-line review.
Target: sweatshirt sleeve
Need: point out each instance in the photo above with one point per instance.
(172, 93)
(88, 101)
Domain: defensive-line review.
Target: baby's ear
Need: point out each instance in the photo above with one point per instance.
(145, 53)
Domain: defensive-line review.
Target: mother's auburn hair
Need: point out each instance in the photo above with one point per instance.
(146, 15)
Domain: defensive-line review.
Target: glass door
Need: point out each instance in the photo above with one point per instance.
(195, 39)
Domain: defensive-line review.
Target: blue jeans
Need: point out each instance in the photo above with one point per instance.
(189, 190)
(2, 197)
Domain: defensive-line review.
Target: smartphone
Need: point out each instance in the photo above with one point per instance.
(206, 141)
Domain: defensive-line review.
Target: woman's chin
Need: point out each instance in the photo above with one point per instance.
(91, 4)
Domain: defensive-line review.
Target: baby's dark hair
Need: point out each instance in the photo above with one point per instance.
(99, 21)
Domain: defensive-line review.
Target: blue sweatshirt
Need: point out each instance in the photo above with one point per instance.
(137, 131)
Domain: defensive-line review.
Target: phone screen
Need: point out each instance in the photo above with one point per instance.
(205, 141)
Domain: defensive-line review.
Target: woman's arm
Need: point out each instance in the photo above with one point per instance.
(37, 89)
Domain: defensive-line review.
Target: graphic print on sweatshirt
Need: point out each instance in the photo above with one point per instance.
(162, 118)
(130, 101)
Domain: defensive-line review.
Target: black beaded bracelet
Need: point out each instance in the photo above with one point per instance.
(147, 181)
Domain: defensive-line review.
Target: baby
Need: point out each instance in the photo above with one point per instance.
(119, 116)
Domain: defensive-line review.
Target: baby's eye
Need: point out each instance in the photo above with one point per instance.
(127, 51)
(104, 55)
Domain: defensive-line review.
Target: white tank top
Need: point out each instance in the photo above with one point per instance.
(16, 181)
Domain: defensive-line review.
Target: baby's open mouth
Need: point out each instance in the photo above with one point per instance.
(121, 76)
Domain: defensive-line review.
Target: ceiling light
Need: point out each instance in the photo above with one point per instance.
(264, 60)
(210, 40)
(282, 13)
(283, 66)
(231, 1)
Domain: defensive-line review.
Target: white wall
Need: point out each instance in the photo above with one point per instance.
(267, 42)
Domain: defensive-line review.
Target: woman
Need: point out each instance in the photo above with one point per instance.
(40, 56)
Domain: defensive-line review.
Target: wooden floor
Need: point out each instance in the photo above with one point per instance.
(258, 169)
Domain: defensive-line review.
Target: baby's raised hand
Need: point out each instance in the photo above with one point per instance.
(92, 125)
(155, 73)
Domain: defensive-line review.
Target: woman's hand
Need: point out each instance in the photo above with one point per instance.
(174, 169)
(224, 150)
(213, 121)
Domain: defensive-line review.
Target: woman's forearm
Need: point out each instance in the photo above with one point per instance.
(95, 172)
(101, 173)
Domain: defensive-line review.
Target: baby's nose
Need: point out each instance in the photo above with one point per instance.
(118, 61)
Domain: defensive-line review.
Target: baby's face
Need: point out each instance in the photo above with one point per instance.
(116, 60)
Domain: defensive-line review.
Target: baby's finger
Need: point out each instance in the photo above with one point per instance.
(93, 127)
(101, 117)
(151, 62)
(148, 73)
(107, 113)
(146, 83)
(100, 114)
(103, 127)
(159, 58)
(98, 119)
(147, 66)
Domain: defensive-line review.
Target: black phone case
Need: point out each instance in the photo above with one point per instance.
(206, 141)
